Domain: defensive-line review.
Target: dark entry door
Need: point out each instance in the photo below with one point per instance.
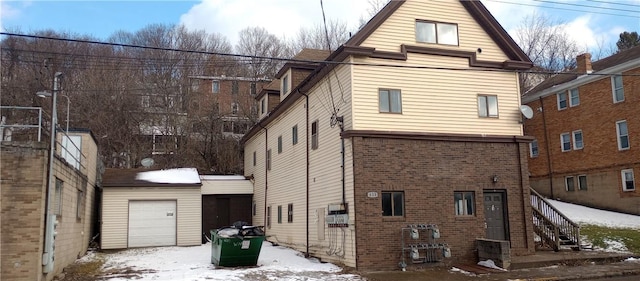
(222, 213)
(494, 213)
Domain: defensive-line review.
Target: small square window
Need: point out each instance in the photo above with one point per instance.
(577, 140)
(533, 149)
(436, 32)
(574, 97)
(623, 135)
(393, 204)
(389, 101)
(279, 144)
(565, 142)
(569, 183)
(617, 88)
(294, 134)
(464, 203)
(487, 106)
(628, 181)
(562, 100)
(582, 182)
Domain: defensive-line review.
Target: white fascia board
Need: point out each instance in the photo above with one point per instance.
(582, 80)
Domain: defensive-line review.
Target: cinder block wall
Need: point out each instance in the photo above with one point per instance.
(429, 172)
(23, 193)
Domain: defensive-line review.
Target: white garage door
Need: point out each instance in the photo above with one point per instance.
(152, 223)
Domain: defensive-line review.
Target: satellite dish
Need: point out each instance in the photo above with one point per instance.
(526, 111)
(147, 162)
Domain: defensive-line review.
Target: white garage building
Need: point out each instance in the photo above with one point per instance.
(143, 208)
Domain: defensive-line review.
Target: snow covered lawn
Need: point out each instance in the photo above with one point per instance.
(585, 215)
(194, 263)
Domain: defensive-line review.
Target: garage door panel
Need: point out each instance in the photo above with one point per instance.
(152, 223)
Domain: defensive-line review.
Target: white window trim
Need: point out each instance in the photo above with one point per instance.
(573, 136)
(618, 136)
(580, 187)
(488, 106)
(436, 36)
(566, 183)
(562, 142)
(531, 149)
(622, 174)
(570, 99)
(213, 88)
(613, 88)
(566, 100)
(285, 84)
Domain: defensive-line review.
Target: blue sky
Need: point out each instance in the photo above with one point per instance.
(590, 26)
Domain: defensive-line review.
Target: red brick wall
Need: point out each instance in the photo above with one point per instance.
(596, 116)
(429, 172)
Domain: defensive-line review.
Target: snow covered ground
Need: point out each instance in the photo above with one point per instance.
(275, 262)
(194, 264)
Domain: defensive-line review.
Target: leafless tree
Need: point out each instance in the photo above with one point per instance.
(316, 37)
(261, 45)
(548, 45)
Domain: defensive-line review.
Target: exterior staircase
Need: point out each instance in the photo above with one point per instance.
(554, 228)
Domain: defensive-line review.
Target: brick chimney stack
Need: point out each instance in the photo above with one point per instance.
(584, 63)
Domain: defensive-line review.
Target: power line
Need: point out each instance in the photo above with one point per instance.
(615, 3)
(565, 9)
(586, 6)
(305, 61)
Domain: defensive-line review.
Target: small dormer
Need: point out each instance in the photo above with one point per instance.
(300, 66)
(268, 98)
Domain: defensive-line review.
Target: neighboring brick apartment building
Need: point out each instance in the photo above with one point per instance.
(24, 167)
(232, 99)
(586, 126)
(404, 124)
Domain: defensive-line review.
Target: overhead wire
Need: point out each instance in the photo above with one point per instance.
(565, 9)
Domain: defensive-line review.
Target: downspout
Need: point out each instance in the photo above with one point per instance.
(306, 106)
(524, 199)
(266, 173)
(344, 197)
(546, 140)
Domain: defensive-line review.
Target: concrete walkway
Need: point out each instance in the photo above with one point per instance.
(544, 265)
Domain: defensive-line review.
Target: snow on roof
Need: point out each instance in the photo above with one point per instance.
(178, 175)
(222, 177)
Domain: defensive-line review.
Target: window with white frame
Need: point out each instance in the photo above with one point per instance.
(314, 135)
(279, 144)
(487, 106)
(57, 203)
(279, 213)
(294, 134)
(565, 141)
(234, 108)
(577, 140)
(268, 216)
(436, 32)
(582, 182)
(253, 89)
(268, 160)
(389, 101)
(464, 203)
(263, 106)
(392, 204)
(574, 97)
(617, 88)
(215, 87)
(562, 100)
(290, 213)
(628, 181)
(533, 149)
(285, 84)
(623, 135)
(569, 184)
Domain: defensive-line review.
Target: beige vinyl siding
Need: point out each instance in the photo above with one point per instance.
(287, 177)
(227, 186)
(325, 165)
(435, 101)
(256, 143)
(115, 213)
(399, 29)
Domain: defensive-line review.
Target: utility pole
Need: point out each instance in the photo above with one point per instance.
(50, 230)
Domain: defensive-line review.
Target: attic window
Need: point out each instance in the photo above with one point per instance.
(285, 84)
(436, 32)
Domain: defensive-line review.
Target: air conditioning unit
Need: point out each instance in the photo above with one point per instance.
(342, 219)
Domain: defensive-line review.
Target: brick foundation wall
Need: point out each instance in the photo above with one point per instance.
(24, 176)
(428, 172)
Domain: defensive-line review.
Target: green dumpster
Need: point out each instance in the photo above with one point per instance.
(236, 250)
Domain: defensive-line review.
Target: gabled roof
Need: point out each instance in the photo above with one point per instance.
(608, 62)
(273, 87)
(305, 59)
(517, 58)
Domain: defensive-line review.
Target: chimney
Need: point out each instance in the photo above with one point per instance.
(584, 63)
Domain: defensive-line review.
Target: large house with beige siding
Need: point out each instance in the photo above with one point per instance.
(414, 120)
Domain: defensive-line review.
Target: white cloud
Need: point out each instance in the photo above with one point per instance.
(579, 30)
(510, 15)
(282, 18)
